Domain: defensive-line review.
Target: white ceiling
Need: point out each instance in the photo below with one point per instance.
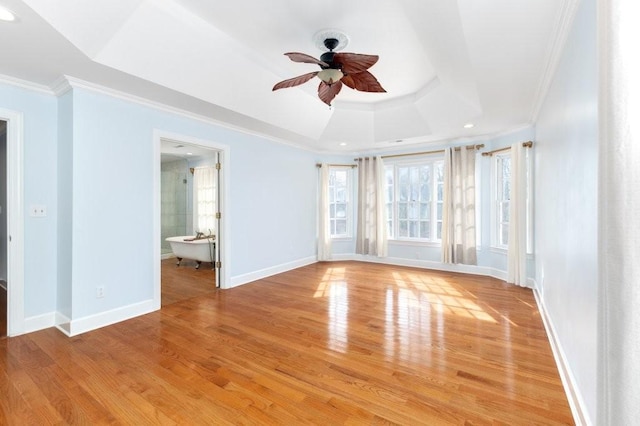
(444, 63)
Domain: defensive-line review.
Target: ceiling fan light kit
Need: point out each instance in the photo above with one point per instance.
(337, 68)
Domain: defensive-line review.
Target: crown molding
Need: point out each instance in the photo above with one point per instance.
(563, 25)
(24, 84)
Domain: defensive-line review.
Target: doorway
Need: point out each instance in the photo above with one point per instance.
(13, 220)
(180, 163)
(3, 229)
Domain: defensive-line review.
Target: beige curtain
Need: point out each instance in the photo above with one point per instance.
(517, 251)
(371, 235)
(324, 233)
(459, 206)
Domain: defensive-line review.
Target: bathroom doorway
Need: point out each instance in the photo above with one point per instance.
(182, 163)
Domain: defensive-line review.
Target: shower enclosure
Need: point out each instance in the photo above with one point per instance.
(174, 201)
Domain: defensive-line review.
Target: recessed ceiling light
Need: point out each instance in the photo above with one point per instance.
(6, 15)
(468, 125)
(343, 144)
(189, 153)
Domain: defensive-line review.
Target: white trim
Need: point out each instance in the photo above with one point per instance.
(24, 84)
(66, 83)
(15, 222)
(39, 322)
(571, 388)
(225, 243)
(554, 54)
(273, 270)
(103, 319)
(430, 264)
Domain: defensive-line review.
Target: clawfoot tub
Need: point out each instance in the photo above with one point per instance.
(188, 247)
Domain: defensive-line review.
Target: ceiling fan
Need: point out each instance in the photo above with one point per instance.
(338, 68)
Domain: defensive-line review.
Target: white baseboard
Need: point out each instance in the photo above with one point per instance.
(429, 264)
(267, 272)
(102, 319)
(576, 402)
(39, 322)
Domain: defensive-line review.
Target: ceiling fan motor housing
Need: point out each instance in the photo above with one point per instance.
(329, 43)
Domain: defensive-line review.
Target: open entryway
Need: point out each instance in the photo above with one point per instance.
(3, 229)
(190, 217)
(12, 321)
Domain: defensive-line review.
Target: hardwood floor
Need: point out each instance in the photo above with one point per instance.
(185, 281)
(329, 343)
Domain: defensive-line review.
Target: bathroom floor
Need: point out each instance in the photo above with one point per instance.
(185, 281)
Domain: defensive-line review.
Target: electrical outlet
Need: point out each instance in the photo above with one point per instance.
(38, 210)
(99, 292)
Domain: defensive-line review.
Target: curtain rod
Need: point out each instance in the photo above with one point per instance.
(480, 146)
(338, 165)
(527, 144)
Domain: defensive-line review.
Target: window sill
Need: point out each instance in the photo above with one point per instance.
(340, 239)
(414, 243)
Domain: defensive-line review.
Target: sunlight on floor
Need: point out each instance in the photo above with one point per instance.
(441, 295)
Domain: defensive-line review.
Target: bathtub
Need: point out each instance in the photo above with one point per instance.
(203, 250)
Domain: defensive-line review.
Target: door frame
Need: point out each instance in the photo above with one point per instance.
(223, 252)
(15, 221)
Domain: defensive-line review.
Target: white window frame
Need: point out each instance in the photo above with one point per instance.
(392, 202)
(496, 189)
(497, 224)
(348, 201)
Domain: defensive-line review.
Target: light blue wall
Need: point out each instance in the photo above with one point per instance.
(272, 210)
(566, 202)
(40, 145)
(65, 204)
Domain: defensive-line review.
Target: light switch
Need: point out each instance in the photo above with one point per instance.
(38, 210)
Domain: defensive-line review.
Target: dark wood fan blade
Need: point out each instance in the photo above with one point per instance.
(364, 81)
(348, 81)
(352, 63)
(295, 81)
(326, 93)
(307, 59)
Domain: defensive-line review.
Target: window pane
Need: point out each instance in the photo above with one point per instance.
(403, 176)
(341, 195)
(402, 210)
(424, 211)
(390, 229)
(403, 228)
(425, 175)
(332, 211)
(425, 229)
(413, 229)
(414, 175)
(439, 230)
(341, 227)
(425, 192)
(439, 207)
(332, 225)
(404, 193)
(413, 211)
(341, 210)
(504, 238)
(388, 175)
(341, 177)
(504, 216)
